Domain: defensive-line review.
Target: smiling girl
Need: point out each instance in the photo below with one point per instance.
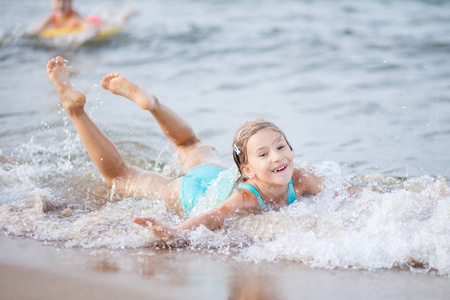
(268, 178)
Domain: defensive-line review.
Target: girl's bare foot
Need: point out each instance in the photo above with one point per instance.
(119, 85)
(71, 99)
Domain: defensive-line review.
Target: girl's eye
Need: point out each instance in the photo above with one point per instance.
(280, 147)
(262, 154)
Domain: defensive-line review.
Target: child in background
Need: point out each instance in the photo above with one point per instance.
(64, 16)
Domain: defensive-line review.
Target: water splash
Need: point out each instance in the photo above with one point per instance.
(52, 196)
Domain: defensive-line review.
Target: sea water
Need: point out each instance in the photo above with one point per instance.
(360, 89)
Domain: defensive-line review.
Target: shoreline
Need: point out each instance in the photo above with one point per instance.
(32, 269)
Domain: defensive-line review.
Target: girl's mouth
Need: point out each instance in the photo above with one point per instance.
(280, 169)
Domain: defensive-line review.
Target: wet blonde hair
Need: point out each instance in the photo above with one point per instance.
(240, 141)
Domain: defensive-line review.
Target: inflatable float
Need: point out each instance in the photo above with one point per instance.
(106, 31)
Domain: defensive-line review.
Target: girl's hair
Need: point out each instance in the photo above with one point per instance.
(243, 134)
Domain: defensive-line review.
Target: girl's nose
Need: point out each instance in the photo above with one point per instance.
(276, 156)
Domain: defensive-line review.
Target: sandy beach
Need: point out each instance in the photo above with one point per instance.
(32, 270)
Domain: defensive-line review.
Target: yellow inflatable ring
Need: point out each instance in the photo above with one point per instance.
(105, 31)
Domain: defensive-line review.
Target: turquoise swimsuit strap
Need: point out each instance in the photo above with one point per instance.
(252, 188)
(291, 192)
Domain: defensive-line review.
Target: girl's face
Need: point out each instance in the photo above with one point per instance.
(270, 160)
(62, 6)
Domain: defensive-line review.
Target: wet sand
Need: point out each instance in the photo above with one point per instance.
(36, 270)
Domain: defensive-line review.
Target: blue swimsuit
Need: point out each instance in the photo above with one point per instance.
(197, 181)
(252, 189)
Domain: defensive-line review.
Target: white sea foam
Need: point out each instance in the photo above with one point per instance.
(408, 227)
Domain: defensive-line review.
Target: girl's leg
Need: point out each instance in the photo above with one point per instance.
(129, 181)
(191, 152)
(100, 148)
(172, 125)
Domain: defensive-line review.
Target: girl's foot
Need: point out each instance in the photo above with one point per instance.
(71, 99)
(119, 85)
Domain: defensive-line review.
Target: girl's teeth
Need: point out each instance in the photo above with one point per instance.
(282, 168)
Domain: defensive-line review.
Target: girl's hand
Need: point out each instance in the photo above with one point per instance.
(443, 189)
(441, 186)
(156, 228)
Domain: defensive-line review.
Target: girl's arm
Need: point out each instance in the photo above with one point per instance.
(312, 184)
(40, 28)
(77, 20)
(306, 182)
(211, 220)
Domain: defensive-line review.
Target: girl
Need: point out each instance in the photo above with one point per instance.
(263, 155)
(64, 16)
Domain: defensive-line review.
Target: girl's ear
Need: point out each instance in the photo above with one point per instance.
(247, 170)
